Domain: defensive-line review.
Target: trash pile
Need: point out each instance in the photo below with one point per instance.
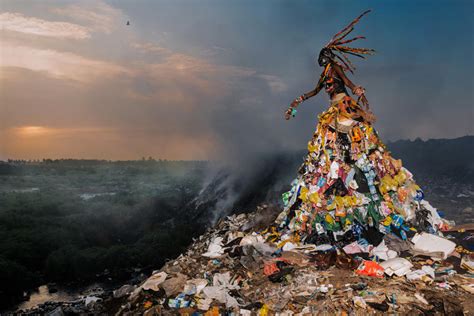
(349, 181)
(246, 266)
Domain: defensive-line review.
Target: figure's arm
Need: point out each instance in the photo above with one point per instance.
(316, 89)
(305, 96)
(357, 90)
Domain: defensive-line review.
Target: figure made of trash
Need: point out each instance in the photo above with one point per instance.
(349, 182)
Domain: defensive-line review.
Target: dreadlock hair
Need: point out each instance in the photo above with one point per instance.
(339, 49)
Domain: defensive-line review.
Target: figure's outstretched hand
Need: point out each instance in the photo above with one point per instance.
(295, 103)
(359, 91)
(292, 109)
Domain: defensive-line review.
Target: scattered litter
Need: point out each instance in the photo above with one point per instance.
(215, 249)
(153, 282)
(124, 290)
(421, 299)
(359, 302)
(397, 266)
(382, 252)
(222, 284)
(91, 299)
(370, 268)
(467, 263)
(429, 244)
(195, 286)
(175, 284)
(468, 287)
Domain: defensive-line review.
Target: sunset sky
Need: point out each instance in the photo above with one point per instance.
(211, 79)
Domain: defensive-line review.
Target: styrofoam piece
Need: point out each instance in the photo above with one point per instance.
(432, 243)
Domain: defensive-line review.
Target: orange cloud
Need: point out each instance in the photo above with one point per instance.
(58, 64)
(187, 63)
(183, 79)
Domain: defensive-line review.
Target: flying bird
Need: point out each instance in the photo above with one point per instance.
(128, 22)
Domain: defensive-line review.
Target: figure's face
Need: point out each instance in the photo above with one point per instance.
(324, 58)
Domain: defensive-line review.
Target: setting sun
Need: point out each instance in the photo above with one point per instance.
(32, 130)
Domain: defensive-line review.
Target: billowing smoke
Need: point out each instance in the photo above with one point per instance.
(241, 186)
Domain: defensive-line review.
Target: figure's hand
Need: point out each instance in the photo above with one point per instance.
(292, 109)
(359, 91)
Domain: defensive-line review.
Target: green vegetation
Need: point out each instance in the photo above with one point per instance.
(69, 220)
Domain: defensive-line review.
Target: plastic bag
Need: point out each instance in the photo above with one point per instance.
(370, 268)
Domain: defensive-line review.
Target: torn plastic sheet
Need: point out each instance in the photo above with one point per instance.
(382, 252)
(219, 291)
(356, 247)
(204, 303)
(153, 282)
(215, 249)
(370, 268)
(430, 243)
(258, 242)
(194, 286)
(421, 274)
(397, 266)
(174, 285)
(435, 219)
(91, 299)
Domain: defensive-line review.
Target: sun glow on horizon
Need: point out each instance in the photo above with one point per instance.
(32, 131)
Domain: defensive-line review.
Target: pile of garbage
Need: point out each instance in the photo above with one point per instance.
(244, 266)
(347, 183)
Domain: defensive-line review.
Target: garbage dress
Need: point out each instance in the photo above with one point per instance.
(349, 182)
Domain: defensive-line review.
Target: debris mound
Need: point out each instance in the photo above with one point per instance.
(238, 268)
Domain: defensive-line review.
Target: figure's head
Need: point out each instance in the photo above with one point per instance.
(325, 57)
(337, 47)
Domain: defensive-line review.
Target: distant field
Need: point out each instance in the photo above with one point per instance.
(73, 220)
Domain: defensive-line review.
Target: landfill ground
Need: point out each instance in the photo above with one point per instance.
(227, 271)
